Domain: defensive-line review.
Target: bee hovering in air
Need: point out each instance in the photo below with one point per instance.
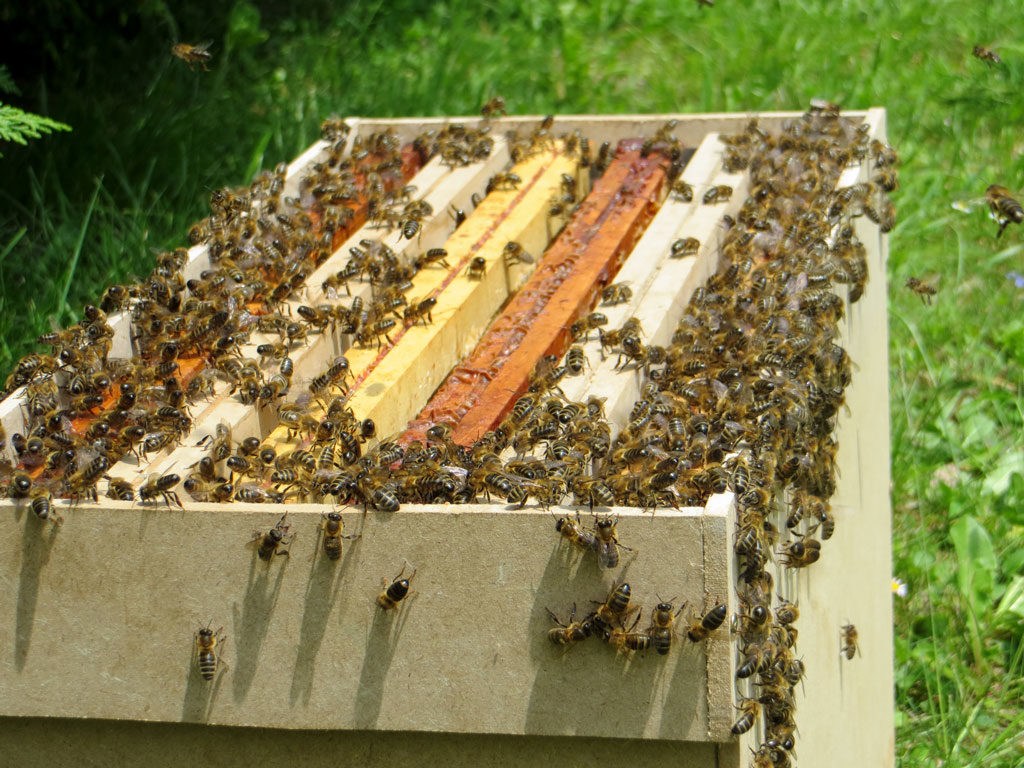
(987, 55)
(1004, 208)
(194, 54)
(922, 289)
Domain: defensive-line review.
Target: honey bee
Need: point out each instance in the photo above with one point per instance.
(575, 360)
(120, 489)
(514, 254)
(571, 633)
(395, 592)
(616, 293)
(193, 54)
(495, 106)
(160, 485)
(717, 194)
(1005, 209)
(684, 246)
(42, 506)
(604, 159)
(270, 542)
(749, 709)
(332, 525)
(849, 638)
(922, 289)
(505, 180)
(614, 609)
(477, 268)
(433, 256)
(802, 553)
(629, 641)
(987, 55)
(708, 623)
(207, 659)
(83, 481)
(682, 191)
(786, 612)
(662, 628)
(608, 544)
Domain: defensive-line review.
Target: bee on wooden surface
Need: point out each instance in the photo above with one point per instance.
(1005, 209)
(422, 310)
(194, 54)
(605, 153)
(158, 485)
(662, 628)
(477, 268)
(332, 526)
(458, 216)
(682, 191)
(270, 542)
(83, 481)
(120, 489)
(802, 553)
(684, 246)
(708, 623)
(505, 180)
(495, 106)
(395, 592)
(42, 505)
(786, 612)
(608, 544)
(207, 659)
(571, 633)
(514, 253)
(987, 55)
(629, 641)
(616, 293)
(750, 710)
(433, 256)
(849, 648)
(575, 360)
(614, 609)
(717, 194)
(922, 289)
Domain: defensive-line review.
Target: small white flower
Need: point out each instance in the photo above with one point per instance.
(899, 587)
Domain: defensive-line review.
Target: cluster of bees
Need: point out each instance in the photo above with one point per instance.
(743, 399)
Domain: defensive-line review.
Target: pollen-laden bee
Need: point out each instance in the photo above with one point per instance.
(608, 544)
(514, 253)
(750, 710)
(272, 541)
(207, 660)
(717, 194)
(158, 485)
(708, 623)
(571, 633)
(922, 289)
(662, 629)
(1005, 209)
(616, 293)
(332, 526)
(987, 55)
(395, 592)
(850, 648)
(684, 246)
(193, 54)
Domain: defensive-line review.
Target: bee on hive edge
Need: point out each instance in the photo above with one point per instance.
(395, 592)
(608, 544)
(708, 623)
(477, 268)
(850, 646)
(332, 526)
(193, 54)
(271, 541)
(749, 709)
(207, 659)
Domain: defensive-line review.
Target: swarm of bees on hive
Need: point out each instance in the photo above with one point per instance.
(743, 399)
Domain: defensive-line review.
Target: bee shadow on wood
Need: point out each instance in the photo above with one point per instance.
(680, 678)
(614, 689)
(36, 545)
(250, 626)
(381, 642)
(325, 579)
(200, 694)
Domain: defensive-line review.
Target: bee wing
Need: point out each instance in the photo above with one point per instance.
(968, 206)
(202, 47)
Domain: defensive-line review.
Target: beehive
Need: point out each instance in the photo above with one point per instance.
(104, 611)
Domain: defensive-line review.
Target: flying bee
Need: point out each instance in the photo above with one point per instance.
(608, 544)
(1005, 209)
(616, 293)
(849, 637)
(684, 246)
(571, 633)
(749, 709)
(332, 525)
(495, 106)
(514, 254)
(717, 194)
(922, 289)
(477, 268)
(162, 486)
(271, 541)
(207, 659)
(708, 623)
(193, 54)
(987, 55)
(396, 591)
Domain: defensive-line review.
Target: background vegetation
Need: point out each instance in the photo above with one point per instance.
(151, 139)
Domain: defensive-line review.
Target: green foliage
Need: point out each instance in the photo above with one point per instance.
(17, 125)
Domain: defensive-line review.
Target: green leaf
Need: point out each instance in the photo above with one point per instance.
(997, 480)
(244, 26)
(976, 562)
(18, 126)
(1013, 599)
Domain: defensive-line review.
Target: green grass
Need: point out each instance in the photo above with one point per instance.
(86, 209)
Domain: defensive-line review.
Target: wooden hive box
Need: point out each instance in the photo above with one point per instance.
(97, 652)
